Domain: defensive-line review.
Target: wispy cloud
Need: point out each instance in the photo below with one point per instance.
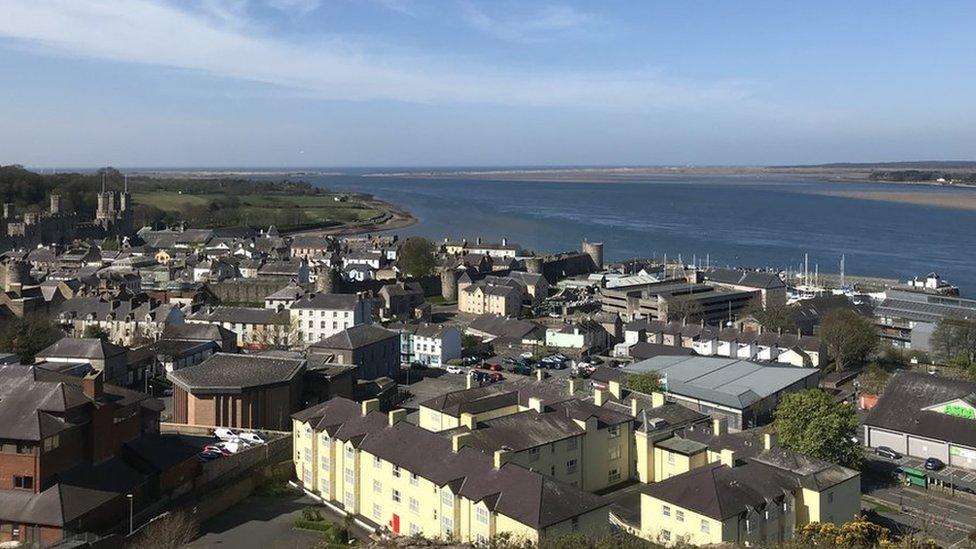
(535, 25)
(164, 34)
(296, 8)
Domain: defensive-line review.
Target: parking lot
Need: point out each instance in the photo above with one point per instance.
(962, 479)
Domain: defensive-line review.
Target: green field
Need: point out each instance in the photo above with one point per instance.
(259, 209)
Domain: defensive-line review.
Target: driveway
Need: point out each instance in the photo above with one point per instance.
(265, 522)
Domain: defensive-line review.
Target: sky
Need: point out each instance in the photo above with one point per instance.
(398, 83)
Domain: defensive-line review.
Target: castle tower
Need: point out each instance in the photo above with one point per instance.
(16, 275)
(8, 211)
(534, 265)
(449, 285)
(325, 280)
(595, 251)
(55, 204)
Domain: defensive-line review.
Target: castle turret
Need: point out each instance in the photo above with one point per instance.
(16, 275)
(8, 210)
(325, 280)
(595, 251)
(55, 204)
(534, 265)
(449, 285)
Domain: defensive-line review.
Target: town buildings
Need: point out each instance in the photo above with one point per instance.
(320, 315)
(375, 351)
(908, 319)
(433, 345)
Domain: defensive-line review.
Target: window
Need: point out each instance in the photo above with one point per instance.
(325, 463)
(447, 498)
(396, 471)
(311, 323)
(665, 535)
(377, 487)
(414, 479)
(27, 483)
(349, 451)
(533, 454)
(613, 475)
(377, 462)
(322, 325)
(350, 476)
(705, 526)
(571, 444)
(830, 497)
(481, 514)
(571, 466)
(414, 529)
(665, 511)
(679, 515)
(50, 443)
(749, 525)
(670, 458)
(377, 511)
(325, 438)
(396, 496)
(614, 431)
(414, 505)
(447, 526)
(614, 452)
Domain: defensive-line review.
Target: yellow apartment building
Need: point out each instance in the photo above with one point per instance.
(403, 480)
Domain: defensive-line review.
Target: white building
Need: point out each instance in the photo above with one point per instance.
(435, 345)
(318, 316)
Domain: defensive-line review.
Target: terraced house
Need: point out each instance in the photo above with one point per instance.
(400, 478)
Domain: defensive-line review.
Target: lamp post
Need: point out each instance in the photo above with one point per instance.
(129, 497)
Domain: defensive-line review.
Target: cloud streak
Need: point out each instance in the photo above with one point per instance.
(228, 45)
(535, 26)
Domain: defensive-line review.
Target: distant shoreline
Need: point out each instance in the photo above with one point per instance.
(394, 217)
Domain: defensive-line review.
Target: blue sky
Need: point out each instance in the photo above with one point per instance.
(465, 83)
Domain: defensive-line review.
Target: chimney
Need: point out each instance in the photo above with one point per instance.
(370, 405)
(91, 385)
(396, 416)
(501, 457)
(536, 404)
(727, 457)
(469, 380)
(599, 397)
(615, 389)
(657, 399)
(770, 441)
(479, 241)
(720, 426)
(634, 407)
(468, 420)
(459, 441)
(504, 241)
(539, 374)
(573, 386)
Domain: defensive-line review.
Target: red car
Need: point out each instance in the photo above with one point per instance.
(492, 367)
(218, 449)
(495, 376)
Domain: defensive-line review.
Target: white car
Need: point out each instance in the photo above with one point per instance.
(454, 370)
(224, 434)
(251, 439)
(232, 447)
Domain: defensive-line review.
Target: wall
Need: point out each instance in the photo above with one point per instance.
(653, 521)
(250, 290)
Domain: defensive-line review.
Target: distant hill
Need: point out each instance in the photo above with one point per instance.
(909, 165)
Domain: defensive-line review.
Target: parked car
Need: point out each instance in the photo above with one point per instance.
(521, 369)
(452, 369)
(210, 455)
(213, 448)
(251, 438)
(418, 366)
(887, 452)
(934, 464)
(495, 377)
(224, 434)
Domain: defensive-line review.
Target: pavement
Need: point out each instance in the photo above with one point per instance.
(266, 522)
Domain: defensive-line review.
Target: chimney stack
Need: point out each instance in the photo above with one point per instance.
(634, 407)
(720, 426)
(468, 420)
(657, 399)
(770, 441)
(535, 403)
(92, 384)
(501, 457)
(459, 441)
(615, 389)
(727, 457)
(599, 397)
(396, 416)
(370, 405)
(573, 386)
(540, 374)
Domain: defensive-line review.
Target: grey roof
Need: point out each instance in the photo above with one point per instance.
(643, 350)
(82, 347)
(521, 431)
(810, 472)
(901, 408)
(341, 302)
(291, 291)
(729, 382)
(752, 279)
(502, 327)
(197, 331)
(242, 315)
(924, 307)
(721, 492)
(225, 372)
(356, 337)
(682, 446)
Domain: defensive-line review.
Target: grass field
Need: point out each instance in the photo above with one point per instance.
(316, 209)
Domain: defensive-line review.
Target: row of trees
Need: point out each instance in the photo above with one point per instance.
(954, 341)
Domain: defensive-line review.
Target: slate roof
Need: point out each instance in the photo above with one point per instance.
(502, 327)
(924, 307)
(341, 302)
(901, 408)
(729, 382)
(82, 347)
(810, 472)
(197, 331)
(356, 337)
(241, 315)
(225, 372)
(752, 279)
(520, 431)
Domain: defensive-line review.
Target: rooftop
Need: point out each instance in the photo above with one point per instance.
(225, 373)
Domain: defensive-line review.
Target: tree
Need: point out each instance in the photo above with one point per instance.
(26, 336)
(685, 309)
(954, 340)
(776, 317)
(873, 379)
(810, 422)
(850, 338)
(644, 383)
(417, 257)
(95, 332)
(169, 531)
(856, 534)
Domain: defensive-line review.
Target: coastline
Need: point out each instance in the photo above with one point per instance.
(393, 217)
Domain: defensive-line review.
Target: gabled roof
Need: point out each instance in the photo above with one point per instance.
(356, 337)
(82, 347)
(907, 394)
(341, 302)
